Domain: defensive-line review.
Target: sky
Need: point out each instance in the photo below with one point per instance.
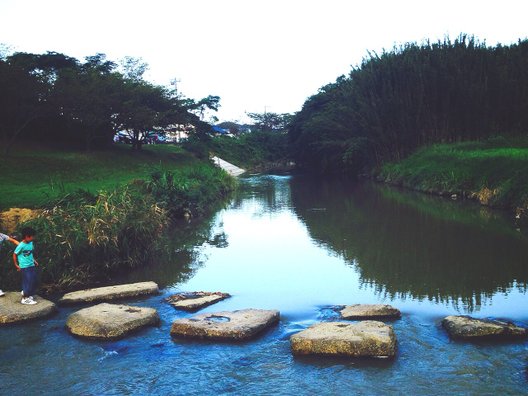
(256, 55)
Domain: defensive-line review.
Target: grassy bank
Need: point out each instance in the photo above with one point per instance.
(32, 177)
(494, 172)
(98, 227)
(256, 151)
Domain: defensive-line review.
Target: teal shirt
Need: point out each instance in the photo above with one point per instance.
(24, 252)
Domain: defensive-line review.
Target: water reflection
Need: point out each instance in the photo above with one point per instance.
(303, 246)
(412, 245)
(272, 193)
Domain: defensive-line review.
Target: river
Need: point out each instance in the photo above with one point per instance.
(303, 246)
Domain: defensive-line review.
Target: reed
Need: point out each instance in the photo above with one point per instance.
(85, 238)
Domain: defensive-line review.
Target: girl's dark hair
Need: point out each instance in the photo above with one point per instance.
(28, 231)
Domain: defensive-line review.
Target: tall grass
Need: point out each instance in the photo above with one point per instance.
(495, 172)
(85, 238)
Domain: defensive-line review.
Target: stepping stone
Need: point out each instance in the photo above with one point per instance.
(110, 293)
(369, 311)
(361, 339)
(12, 311)
(466, 327)
(195, 300)
(110, 321)
(227, 325)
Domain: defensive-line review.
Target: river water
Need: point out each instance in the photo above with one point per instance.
(303, 246)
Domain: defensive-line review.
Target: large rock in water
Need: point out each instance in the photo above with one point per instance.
(370, 311)
(110, 293)
(194, 301)
(466, 327)
(361, 339)
(227, 325)
(110, 321)
(12, 311)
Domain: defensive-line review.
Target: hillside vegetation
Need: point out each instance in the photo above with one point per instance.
(32, 177)
(411, 96)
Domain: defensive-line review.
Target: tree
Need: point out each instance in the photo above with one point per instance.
(26, 82)
(147, 109)
(56, 98)
(133, 68)
(210, 102)
(88, 97)
(270, 121)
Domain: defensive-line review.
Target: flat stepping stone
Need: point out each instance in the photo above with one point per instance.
(361, 339)
(195, 300)
(13, 311)
(466, 327)
(369, 311)
(110, 293)
(110, 321)
(227, 325)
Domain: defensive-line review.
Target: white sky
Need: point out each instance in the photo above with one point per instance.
(252, 53)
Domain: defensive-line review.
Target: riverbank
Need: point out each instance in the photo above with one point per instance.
(34, 176)
(101, 226)
(493, 173)
(257, 152)
(333, 243)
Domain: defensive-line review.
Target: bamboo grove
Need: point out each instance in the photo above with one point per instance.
(411, 96)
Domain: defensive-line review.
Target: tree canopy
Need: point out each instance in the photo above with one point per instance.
(269, 121)
(55, 98)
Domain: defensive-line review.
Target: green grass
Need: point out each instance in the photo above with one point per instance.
(494, 172)
(251, 150)
(115, 208)
(32, 177)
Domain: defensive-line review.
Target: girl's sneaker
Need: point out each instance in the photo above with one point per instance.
(2, 293)
(28, 301)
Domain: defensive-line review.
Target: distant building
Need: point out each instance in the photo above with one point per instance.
(178, 133)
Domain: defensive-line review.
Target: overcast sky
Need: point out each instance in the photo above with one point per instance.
(252, 53)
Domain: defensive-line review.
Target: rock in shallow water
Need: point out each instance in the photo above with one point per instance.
(227, 325)
(110, 321)
(193, 301)
(361, 339)
(370, 311)
(466, 327)
(110, 293)
(12, 311)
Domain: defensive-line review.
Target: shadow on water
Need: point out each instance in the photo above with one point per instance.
(413, 245)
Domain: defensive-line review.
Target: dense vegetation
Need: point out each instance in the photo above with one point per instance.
(85, 237)
(252, 149)
(53, 97)
(494, 172)
(414, 95)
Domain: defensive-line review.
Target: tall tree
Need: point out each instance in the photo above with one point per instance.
(268, 121)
